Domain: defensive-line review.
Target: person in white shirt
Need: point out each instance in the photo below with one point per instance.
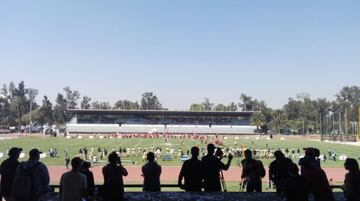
(73, 184)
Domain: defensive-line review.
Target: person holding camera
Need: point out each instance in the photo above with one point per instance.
(212, 166)
(113, 188)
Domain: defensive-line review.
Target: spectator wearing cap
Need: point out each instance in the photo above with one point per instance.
(73, 184)
(7, 171)
(40, 183)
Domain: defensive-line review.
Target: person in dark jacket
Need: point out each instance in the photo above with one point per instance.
(191, 171)
(351, 185)
(7, 171)
(151, 172)
(252, 172)
(113, 188)
(278, 170)
(85, 169)
(317, 180)
(296, 187)
(212, 166)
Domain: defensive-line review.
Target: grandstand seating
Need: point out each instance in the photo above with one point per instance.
(138, 128)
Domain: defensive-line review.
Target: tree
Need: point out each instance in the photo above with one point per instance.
(278, 120)
(18, 103)
(258, 119)
(208, 106)
(197, 107)
(61, 116)
(150, 102)
(246, 103)
(85, 103)
(349, 101)
(232, 107)
(45, 112)
(71, 97)
(126, 105)
(101, 105)
(221, 107)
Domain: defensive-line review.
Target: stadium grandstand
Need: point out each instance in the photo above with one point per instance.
(159, 121)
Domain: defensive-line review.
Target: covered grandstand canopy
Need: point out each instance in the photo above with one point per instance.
(162, 112)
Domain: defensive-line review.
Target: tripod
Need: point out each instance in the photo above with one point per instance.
(223, 184)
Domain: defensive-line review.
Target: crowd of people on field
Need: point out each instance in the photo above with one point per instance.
(29, 180)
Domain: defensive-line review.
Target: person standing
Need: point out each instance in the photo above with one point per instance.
(278, 170)
(252, 172)
(296, 187)
(85, 169)
(113, 188)
(73, 184)
(37, 173)
(151, 172)
(351, 185)
(318, 183)
(211, 167)
(7, 172)
(191, 171)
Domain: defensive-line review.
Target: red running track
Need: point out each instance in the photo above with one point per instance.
(170, 173)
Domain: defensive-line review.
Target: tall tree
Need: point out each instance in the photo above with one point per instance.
(149, 101)
(85, 103)
(101, 105)
(197, 107)
(208, 105)
(246, 103)
(19, 101)
(45, 112)
(221, 107)
(126, 105)
(258, 119)
(61, 115)
(71, 97)
(232, 107)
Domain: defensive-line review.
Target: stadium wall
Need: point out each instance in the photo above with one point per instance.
(136, 128)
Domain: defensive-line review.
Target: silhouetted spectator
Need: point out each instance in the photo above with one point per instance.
(151, 172)
(252, 172)
(296, 187)
(73, 184)
(89, 177)
(212, 166)
(113, 188)
(317, 181)
(39, 176)
(7, 171)
(278, 170)
(310, 156)
(352, 180)
(191, 171)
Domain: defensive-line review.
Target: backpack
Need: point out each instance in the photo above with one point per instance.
(22, 187)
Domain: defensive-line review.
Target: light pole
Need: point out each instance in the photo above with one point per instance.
(303, 96)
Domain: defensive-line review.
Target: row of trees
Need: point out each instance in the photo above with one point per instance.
(301, 114)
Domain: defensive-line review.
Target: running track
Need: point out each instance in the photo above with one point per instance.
(170, 173)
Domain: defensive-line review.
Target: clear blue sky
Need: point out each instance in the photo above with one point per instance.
(182, 50)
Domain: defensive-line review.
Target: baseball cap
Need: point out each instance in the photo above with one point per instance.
(14, 151)
(34, 152)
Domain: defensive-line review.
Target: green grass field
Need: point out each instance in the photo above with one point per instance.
(44, 143)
